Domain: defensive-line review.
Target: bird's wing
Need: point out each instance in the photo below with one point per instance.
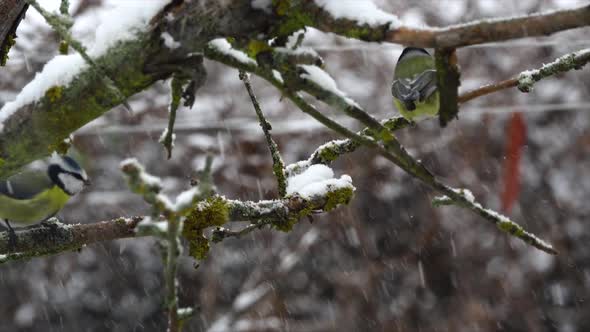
(25, 185)
(425, 84)
(399, 90)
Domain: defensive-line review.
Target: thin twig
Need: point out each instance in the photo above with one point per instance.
(220, 233)
(173, 252)
(278, 166)
(149, 187)
(168, 136)
(64, 7)
(525, 80)
(487, 89)
(575, 60)
(204, 178)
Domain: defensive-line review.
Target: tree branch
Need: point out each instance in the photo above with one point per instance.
(487, 89)
(11, 14)
(54, 237)
(501, 29)
(44, 239)
(526, 80)
(278, 165)
(168, 137)
(33, 125)
(61, 25)
(575, 60)
(448, 81)
(454, 36)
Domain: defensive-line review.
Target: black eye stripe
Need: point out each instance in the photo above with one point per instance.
(76, 175)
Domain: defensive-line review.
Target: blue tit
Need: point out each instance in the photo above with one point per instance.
(36, 195)
(414, 85)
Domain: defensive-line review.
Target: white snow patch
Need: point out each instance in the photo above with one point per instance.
(315, 173)
(318, 76)
(323, 187)
(332, 144)
(223, 46)
(300, 166)
(466, 193)
(297, 167)
(168, 205)
(525, 78)
(163, 137)
(186, 199)
(361, 11)
(148, 223)
(315, 181)
(277, 76)
(124, 21)
(169, 41)
(150, 180)
(58, 71)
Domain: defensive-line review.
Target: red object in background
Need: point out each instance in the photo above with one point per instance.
(516, 135)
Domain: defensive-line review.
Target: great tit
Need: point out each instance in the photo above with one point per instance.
(36, 195)
(414, 85)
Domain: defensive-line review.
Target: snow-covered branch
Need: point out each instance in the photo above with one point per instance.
(68, 93)
(54, 237)
(314, 195)
(575, 60)
(363, 20)
(525, 80)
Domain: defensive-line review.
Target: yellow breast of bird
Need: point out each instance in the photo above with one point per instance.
(35, 209)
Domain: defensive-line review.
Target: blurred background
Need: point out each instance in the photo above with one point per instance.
(387, 262)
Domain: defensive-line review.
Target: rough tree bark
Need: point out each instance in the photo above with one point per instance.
(11, 14)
